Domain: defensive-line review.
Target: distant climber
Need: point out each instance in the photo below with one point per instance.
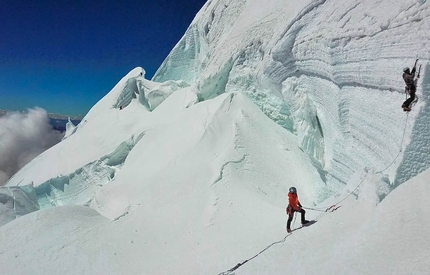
(294, 206)
(120, 107)
(409, 78)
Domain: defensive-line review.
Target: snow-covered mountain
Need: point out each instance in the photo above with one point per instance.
(189, 173)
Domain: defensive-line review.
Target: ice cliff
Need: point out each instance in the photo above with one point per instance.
(328, 71)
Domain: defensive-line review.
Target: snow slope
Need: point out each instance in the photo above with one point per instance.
(189, 172)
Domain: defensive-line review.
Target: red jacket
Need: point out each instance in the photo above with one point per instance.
(293, 203)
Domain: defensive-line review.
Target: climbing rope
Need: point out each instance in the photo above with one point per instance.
(331, 208)
(335, 206)
(401, 146)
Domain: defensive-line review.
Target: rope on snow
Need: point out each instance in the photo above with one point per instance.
(335, 206)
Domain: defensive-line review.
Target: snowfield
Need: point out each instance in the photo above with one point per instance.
(188, 173)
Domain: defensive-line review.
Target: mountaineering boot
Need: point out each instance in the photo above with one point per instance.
(406, 109)
(288, 230)
(304, 222)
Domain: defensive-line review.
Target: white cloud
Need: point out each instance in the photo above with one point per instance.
(23, 136)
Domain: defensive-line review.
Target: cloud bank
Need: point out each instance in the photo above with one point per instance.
(23, 136)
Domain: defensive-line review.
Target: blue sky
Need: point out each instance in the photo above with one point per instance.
(65, 55)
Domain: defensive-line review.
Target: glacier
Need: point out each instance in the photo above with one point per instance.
(190, 171)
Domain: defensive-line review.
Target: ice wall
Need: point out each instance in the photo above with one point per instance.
(328, 71)
(149, 94)
(349, 73)
(184, 59)
(76, 188)
(416, 158)
(70, 128)
(129, 92)
(17, 201)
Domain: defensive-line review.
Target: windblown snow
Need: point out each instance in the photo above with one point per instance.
(188, 173)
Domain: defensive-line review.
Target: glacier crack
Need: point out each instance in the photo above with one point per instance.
(220, 176)
(230, 271)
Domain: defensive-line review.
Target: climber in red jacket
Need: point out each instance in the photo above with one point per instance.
(294, 206)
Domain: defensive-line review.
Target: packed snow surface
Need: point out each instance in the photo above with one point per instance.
(188, 173)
